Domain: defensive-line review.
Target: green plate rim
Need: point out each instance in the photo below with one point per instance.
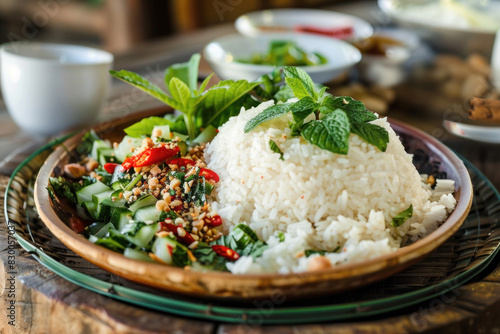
(285, 315)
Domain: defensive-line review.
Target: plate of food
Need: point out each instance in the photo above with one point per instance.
(252, 188)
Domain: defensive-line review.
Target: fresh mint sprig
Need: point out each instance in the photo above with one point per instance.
(200, 107)
(334, 117)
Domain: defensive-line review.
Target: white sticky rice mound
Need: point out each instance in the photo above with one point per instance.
(319, 200)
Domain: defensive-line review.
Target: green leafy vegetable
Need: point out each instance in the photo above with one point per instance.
(330, 133)
(275, 148)
(199, 107)
(63, 188)
(309, 252)
(335, 117)
(270, 113)
(401, 217)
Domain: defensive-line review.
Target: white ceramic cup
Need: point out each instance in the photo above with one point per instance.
(52, 87)
(495, 62)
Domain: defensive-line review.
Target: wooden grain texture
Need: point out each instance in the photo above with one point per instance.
(47, 303)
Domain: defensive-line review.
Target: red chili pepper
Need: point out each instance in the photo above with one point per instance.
(209, 174)
(337, 32)
(226, 252)
(155, 155)
(187, 239)
(110, 167)
(215, 221)
(181, 162)
(129, 162)
(170, 249)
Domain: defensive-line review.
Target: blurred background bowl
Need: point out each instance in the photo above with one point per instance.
(288, 20)
(448, 29)
(383, 63)
(222, 53)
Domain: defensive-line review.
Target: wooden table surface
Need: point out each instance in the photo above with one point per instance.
(50, 304)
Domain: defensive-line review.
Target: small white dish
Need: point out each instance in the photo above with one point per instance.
(495, 62)
(223, 52)
(267, 21)
(389, 70)
(49, 88)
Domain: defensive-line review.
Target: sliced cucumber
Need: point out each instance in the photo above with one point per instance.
(147, 213)
(183, 148)
(127, 147)
(165, 131)
(206, 135)
(99, 197)
(106, 155)
(103, 231)
(142, 202)
(91, 208)
(163, 248)
(120, 184)
(208, 188)
(85, 194)
(143, 236)
(114, 200)
(137, 255)
(181, 136)
(95, 227)
(121, 217)
(98, 144)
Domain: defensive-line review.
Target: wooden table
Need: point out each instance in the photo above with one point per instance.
(48, 303)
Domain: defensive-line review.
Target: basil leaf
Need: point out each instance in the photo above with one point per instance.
(300, 82)
(180, 92)
(204, 84)
(371, 133)
(331, 133)
(146, 86)
(268, 114)
(186, 72)
(275, 148)
(145, 126)
(224, 100)
(401, 217)
(303, 108)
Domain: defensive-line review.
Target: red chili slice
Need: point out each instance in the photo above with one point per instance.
(187, 239)
(110, 167)
(337, 32)
(155, 155)
(181, 162)
(129, 162)
(209, 174)
(226, 252)
(215, 221)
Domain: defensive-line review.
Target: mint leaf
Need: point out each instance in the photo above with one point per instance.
(145, 85)
(283, 94)
(401, 217)
(354, 109)
(275, 148)
(224, 100)
(180, 92)
(303, 108)
(371, 133)
(330, 133)
(300, 82)
(268, 114)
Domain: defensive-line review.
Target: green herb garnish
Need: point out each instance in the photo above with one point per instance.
(401, 217)
(200, 107)
(334, 117)
(275, 148)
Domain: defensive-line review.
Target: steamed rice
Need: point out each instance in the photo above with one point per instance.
(319, 200)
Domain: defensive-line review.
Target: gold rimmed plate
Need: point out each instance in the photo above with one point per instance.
(429, 155)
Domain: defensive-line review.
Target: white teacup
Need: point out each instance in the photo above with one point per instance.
(52, 87)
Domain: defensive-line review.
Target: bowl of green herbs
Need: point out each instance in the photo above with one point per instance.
(243, 57)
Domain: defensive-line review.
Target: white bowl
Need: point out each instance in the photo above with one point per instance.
(389, 70)
(443, 32)
(222, 53)
(257, 23)
(52, 87)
